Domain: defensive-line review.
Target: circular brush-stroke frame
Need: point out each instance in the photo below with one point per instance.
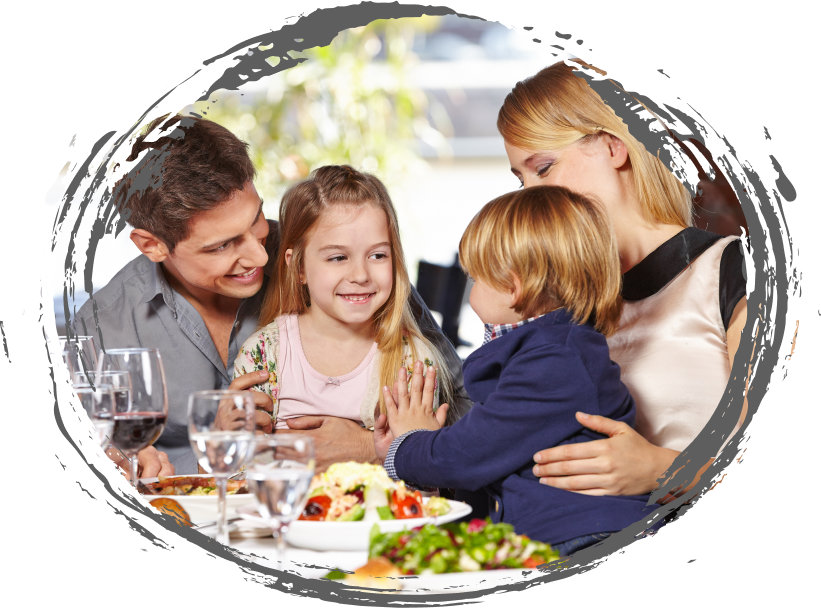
(773, 285)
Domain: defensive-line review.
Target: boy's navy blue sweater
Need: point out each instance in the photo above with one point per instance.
(527, 386)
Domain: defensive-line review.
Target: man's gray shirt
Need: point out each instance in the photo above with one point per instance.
(139, 308)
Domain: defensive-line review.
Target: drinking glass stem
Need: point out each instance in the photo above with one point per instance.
(134, 472)
(281, 532)
(222, 502)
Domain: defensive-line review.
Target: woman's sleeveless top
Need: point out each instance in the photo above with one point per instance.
(672, 348)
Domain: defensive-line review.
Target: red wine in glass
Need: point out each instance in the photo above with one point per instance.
(134, 431)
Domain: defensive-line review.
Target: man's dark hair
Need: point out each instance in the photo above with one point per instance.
(190, 169)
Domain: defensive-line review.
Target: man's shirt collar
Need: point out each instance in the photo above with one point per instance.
(156, 284)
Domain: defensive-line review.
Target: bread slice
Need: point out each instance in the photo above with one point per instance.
(375, 575)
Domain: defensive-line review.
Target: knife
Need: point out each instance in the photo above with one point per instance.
(209, 524)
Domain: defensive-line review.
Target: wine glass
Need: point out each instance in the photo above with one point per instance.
(80, 353)
(138, 421)
(279, 475)
(221, 427)
(119, 383)
(98, 402)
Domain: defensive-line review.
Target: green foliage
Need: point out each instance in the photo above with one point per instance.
(349, 103)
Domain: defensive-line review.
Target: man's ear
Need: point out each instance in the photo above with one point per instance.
(617, 151)
(516, 292)
(152, 247)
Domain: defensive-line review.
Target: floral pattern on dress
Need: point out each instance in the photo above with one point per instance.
(254, 358)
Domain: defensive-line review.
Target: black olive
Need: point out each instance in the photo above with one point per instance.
(313, 508)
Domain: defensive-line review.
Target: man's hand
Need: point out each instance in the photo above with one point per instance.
(265, 406)
(151, 462)
(623, 464)
(335, 439)
(415, 410)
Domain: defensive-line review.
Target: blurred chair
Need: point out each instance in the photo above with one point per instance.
(443, 290)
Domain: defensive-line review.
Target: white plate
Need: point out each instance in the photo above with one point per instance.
(203, 509)
(455, 582)
(355, 535)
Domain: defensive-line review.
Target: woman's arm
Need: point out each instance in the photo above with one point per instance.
(625, 463)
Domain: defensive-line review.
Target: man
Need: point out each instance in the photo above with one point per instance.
(195, 291)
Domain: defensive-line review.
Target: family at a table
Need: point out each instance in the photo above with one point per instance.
(611, 324)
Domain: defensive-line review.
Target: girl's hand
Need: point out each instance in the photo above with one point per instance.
(382, 435)
(414, 410)
(623, 464)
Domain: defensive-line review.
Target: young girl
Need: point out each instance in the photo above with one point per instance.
(335, 322)
(547, 281)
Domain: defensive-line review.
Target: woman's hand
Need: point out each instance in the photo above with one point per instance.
(414, 410)
(624, 464)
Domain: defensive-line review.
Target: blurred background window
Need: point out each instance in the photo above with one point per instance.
(413, 101)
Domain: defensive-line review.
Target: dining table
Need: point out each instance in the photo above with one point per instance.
(315, 564)
(251, 541)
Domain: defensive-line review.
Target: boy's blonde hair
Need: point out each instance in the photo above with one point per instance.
(556, 108)
(301, 208)
(561, 247)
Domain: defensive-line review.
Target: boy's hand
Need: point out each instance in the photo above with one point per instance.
(414, 410)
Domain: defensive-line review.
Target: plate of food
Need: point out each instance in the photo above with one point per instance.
(197, 494)
(450, 557)
(346, 501)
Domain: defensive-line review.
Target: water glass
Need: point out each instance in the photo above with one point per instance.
(221, 431)
(279, 475)
(98, 402)
(80, 354)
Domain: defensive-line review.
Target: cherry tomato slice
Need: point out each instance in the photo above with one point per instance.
(532, 562)
(407, 508)
(316, 509)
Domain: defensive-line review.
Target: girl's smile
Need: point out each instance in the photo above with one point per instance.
(347, 266)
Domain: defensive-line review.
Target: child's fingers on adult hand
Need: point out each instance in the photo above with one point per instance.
(382, 436)
(417, 384)
(404, 398)
(395, 392)
(380, 426)
(442, 414)
(428, 390)
(391, 409)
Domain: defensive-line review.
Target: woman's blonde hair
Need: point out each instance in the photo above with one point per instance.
(556, 108)
(561, 247)
(301, 208)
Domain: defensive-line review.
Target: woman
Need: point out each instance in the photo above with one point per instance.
(679, 331)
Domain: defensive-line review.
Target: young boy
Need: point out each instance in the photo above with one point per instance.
(547, 283)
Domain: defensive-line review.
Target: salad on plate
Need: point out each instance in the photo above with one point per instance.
(354, 491)
(462, 547)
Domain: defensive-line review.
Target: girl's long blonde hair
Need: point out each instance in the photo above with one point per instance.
(556, 108)
(301, 208)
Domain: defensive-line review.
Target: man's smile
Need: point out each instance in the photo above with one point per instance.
(246, 277)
